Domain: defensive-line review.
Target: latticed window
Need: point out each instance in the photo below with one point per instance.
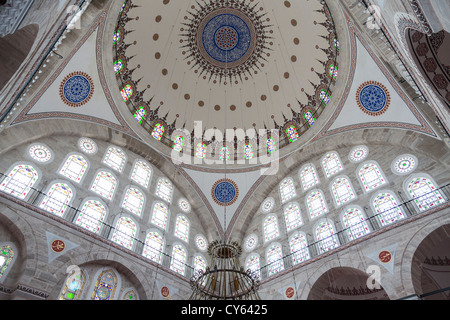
(57, 199)
(387, 208)
(331, 164)
(125, 232)
(73, 287)
(371, 176)
(342, 191)
(355, 223)
(134, 201)
(74, 168)
(105, 286)
(271, 228)
(182, 228)
(178, 261)
(315, 202)
(154, 245)
(424, 193)
(292, 216)
(287, 190)
(19, 181)
(164, 189)
(91, 216)
(326, 237)
(308, 177)
(115, 158)
(299, 248)
(274, 258)
(160, 215)
(141, 173)
(104, 184)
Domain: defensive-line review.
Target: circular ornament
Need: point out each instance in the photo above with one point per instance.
(76, 89)
(87, 145)
(385, 256)
(40, 153)
(404, 164)
(184, 205)
(165, 292)
(58, 246)
(289, 293)
(201, 242)
(225, 192)
(373, 98)
(358, 154)
(250, 242)
(267, 205)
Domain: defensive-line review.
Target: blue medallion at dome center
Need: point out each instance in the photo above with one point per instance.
(373, 98)
(225, 192)
(226, 38)
(77, 89)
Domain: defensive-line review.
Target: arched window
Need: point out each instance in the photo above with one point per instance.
(292, 133)
(292, 216)
(74, 168)
(115, 158)
(200, 152)
(371, 176)
(20, 180)
(6, 259)
(127, 92)
(154, 246)
(274, 256)
(158, 131)
(270, 228)
(73, 287)
(140, 114)
(164, 189)
(104, 184)
(308, 177)
(331, 164)
(316, 204)
(182, 228)
(387, 208)
(424, 192)
(57, 198)
(199, 263)
(178, 261)
(310, 118)
(130, 295)
(178, 143)
(324, 97)
(160, 215)
(134, 201)
(124, 232)
(287, 190)
(299, 248)
(92, 215)
(342, 191)
(326, 237)
(271, 145)
(106, 286)
(248, 151)
(141, 173)
(252, 263)
(355, 223)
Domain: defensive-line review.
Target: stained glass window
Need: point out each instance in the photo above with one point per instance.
(308, 177)
(271, 145)
(324, 97)
(57, 198)
(292, 134)
(200, 152)
(424, 193)
(104, 184)
(130, 295)
(178, 261)
(201, 242)
(355, 223)
(115, 158)
(358, 154)
(178, 143)
(252, 263)
(299, 248)
(251, 242)
(164, 189)
(267, 205)
(225, 153)
(342, 191)
(116, 37)
(331, 164)
(287, 190)
(6, 257)
(134, 201)
(333, 71)
(199, 263)
(371, 176)
(87, 145)
(105, 286)
(74, 168)
(270, 228)
(316, 204)
(292, 217)
(91, 216)
(404, 164)
(336, 44)
(125, 232)
(40, 153)
(160, 215)
(182, 228)
(73, 287)
(127, 92)
(141, 173)
(158, 131)
(118, 66)
(140, 114)
(326, 237)
(248, 151)
(274, 258)
(310, 118)
(387, 208)
(184, 205)
(154, 246)
(19, 181)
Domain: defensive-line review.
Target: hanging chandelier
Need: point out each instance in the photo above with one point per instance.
(225, 279)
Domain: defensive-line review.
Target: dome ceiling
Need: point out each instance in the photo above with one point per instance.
(231, 64)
